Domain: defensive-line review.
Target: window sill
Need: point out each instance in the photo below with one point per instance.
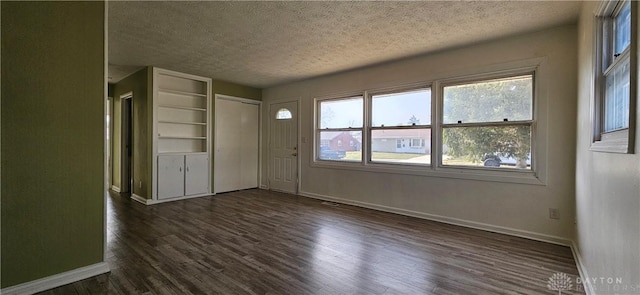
(613, 142)
(480, 174)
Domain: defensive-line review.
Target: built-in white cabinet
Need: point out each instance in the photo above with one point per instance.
(182, 135)
(182, 175)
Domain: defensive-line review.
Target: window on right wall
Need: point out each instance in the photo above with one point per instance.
(615, 86)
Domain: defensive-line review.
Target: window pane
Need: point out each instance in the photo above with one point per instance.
(402, 109)
(283, 114)
(343, 113)
(340, 146)
(622, 29)
(489, 101)
(401, 146)
(492, 147)
(616, 100)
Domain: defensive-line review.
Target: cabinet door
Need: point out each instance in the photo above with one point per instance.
(197, 174)
(170, 176)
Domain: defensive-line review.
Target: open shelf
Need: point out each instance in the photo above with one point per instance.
(178, 92)
(166, 106)
(185, 123)
(182, 137)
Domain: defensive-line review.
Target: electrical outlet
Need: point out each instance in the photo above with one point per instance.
(554, 213)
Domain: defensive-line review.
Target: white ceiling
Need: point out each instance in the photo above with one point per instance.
(263, 44)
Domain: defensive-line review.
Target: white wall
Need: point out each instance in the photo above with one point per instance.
(519, 208)
(607, 189)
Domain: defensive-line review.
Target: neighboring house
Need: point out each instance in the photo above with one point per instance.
(342, 141)
(410, 141)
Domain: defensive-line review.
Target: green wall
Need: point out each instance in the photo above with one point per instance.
(237, 90)
(52, 143)
(136, 83)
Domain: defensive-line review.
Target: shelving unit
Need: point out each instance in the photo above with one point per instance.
(182, 133)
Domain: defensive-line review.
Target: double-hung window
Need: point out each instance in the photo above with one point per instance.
(615, 83)
(488, 123)
(340, 121)
(401, 127)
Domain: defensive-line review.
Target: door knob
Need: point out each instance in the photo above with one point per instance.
(294, 154)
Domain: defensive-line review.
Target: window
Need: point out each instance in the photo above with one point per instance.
(614, 71)
(488, 123)
(481, 126)
(283, 114)
(340, 120)
(406, 117)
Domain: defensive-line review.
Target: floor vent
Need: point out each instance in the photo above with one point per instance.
(332, 204)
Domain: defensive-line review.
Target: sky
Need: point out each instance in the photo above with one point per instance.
(390, 110)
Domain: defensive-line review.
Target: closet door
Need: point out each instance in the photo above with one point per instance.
(249, 159)
(236, 145)
(227, 145)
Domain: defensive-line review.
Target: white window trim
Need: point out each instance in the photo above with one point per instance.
(369, 124)
(618, 141)
(317, 131)
(479, 78)
(535, 176)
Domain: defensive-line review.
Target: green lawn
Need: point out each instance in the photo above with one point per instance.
(448, 160)
(357, 155)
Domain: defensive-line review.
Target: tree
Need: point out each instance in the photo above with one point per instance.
(492, 101)
(327, 115)
(414, 121)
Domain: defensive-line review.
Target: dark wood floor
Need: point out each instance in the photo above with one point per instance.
(262, 242)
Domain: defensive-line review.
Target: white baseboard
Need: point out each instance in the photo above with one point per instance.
(582, 270)
(115, 188)
(264, 186)
(152, 201)
(455, 221)
(57, 280)
(140, 199)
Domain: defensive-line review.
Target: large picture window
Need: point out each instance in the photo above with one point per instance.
(488, 123)
(481, 126)
(340, 121)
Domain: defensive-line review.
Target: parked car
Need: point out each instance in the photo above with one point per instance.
(493, 160)
(328, 154)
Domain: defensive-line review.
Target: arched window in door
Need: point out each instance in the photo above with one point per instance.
(283, 114)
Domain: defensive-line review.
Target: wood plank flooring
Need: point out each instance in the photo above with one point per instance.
(263, 242)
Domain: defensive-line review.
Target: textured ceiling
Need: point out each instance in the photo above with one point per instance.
(263, 44)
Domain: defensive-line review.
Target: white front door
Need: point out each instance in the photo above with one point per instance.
(283, 147)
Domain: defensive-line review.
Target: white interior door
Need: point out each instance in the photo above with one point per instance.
(283, 147)
(236, 145)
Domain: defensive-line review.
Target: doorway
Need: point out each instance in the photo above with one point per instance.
(283, 147)
(126, 143)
